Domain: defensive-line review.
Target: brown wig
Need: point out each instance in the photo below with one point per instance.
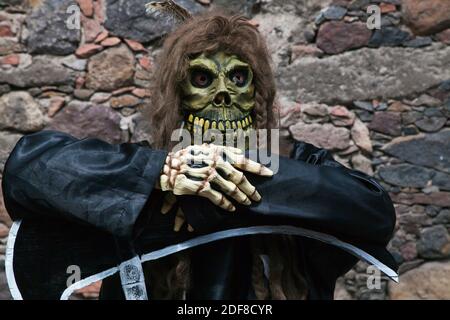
(210, 33)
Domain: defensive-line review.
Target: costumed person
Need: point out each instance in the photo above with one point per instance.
(154, 224)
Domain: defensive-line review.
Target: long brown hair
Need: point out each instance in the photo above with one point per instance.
(210, 33)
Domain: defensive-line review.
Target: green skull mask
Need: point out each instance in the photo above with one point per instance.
(218, 93)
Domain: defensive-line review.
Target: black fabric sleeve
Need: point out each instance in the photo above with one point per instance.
(315, 191)
(87, 180)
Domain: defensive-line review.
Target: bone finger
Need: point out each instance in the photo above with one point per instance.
(179, 220)
(231, 190)
(249, 189)
(217, 198)
(243, 163)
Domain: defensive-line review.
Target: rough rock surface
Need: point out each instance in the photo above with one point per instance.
(111, 69)
(19, 111)
(43, 71)
(128, 19)
(49, 33)
(427, 16)
(429, 281)
(433, 150)
(83, 119)
(352, 75)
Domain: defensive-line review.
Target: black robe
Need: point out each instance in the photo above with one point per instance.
(59, 186)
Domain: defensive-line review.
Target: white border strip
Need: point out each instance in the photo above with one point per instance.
(9, 260)
(87, 281)
(288, 230)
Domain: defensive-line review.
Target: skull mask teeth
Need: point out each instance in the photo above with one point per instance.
(218, 93)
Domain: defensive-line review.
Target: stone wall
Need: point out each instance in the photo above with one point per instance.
(379, 99)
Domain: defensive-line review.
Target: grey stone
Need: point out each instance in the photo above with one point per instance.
(427, 100)
(434, 242)
(19, 111)
(128, 19)
(388, 36)
(428, 150)
(433, 112)
(4, 88)
(443, 217)
(7, 143)
(410, 131)
(364, 105)
(418, 42)
(442, 181)
(84, 119)
(431, 124)
(411, 117)
(44, 71)
(330, 13)
(358, 4)
(74, 63)
(48, 32)
(245, 7)
(406, 175)
(344, 78)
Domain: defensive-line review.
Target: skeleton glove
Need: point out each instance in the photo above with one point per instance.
(193, 171)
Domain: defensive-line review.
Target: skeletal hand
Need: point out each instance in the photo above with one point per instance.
(192, 170)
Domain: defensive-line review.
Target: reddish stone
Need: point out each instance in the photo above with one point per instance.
(134, 45)
(444, 36)
(5, 31)
(409, 251)
(99, 11)
(426, 17)
(141, 93)
(102, 36)
(87, 7)
(441, 199)
(122, 90)
(87, 50)
(111, 69)
(204, 2)
(337, 36)
(55, 105)
(4, 230)
(340, 116)
(4, 217)
(12, 59)
(92, 28)
(398, 106)
(124, 101)
(84, 119)
(387, 7)
(387, 123)
(301, 50)
(79, 82)
(110, 42)
(145, 63)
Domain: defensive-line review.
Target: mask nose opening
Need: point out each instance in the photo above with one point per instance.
(222, 99)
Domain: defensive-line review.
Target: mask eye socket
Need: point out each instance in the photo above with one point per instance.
(201, 78)
(239, 76)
